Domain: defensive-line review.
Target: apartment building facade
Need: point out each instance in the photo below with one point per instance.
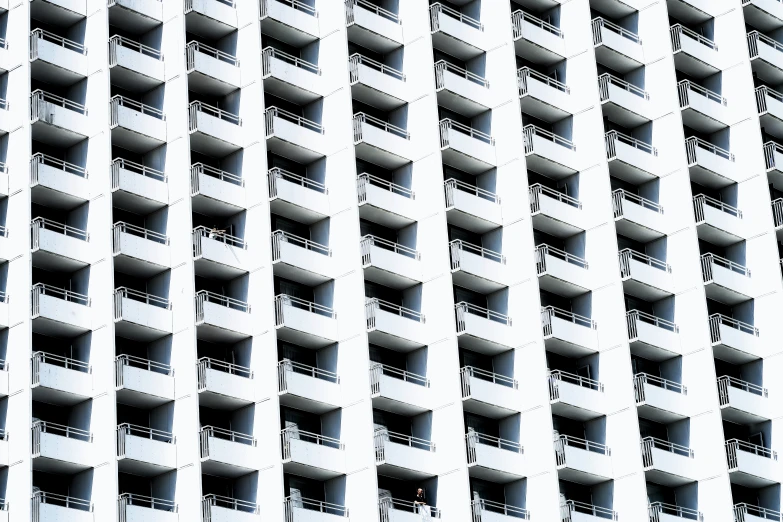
(390, 260)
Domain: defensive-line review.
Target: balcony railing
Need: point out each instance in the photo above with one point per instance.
(42, 497)
(574, 442)
(360, 118)
(550, 312)
(456, 246)
(217, 235)
(718, 319)
(125, 228)
(308, 306)
(574, 506)
(676, 31)
(477, 506)
(742, 510)
(640, 379)
(205, 296)
(273, 112)
(601, 23)
(132, 499)
(626, 255)
(297, 5)
(364, 180)
(650, 443)
(195, 107)
(120, 41)
(39, 358)
(369, 241)
(270, 52)
(377, 370)
(524, 73)
(208, 501)
(686, 86)
(606, 79)
(120, 101)
(762, 93)
(122, 164)
(281, 236)
(65, 43)
(39, 159)
(633, 317)
(199, 168)
(437, 8)
(701, 200)
(40, 99)
(140, 297)
(40, 223)
(777, 212)
(656, 509)
(471, 372)
(373, 305)
(137, 362)
(619, 195)
(692, 143)
(517, 17)
(447, 124)
(531, 130)
(710, 260)
(312, 505)
(382, 436)
(725, 382)
(206, 363)
(40, 289)
(473, 438)
(294, 433)
(369, 6)
(125, 430)
(557, 376)
(464, 309)
(735, 445)
(753, 43)
(287, 365)
(441, 66)
(208, 432)
(356, 59)
(770, 150)
(452, 185)
(276, 174)
(191, 48)
(424, 511)
(612, 137)
(535, 191)
(60, 430)
(546, 250)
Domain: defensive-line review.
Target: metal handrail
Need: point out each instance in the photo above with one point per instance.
(544, 250)
(361, 117)
(607, 79)
(574, 506)
(229, 503)
(484, 375)
(518, 16)
(222, 300)
(140, 48)
(626, 255)
(228, 239)
(222, 175)
(40, 158)
(198, 106)
(477, 506)
(407, 440)
(761, 98)
(474, 437)
(699, 201)
(599, 22)
(281, 236)
(424, 511)
(378, 369)
(270, 52)
(442, 66)
(686, 86)
(373, 304)
(147, 432)
(448, 123)
(136, 168)
(523, 73)
(39, 96)
(692, 143)
(753, 43)
(770, 149)
(369, 6)
(313, 505)
(708, 260)
(640, 379)
(536, 190)
(273, 112)
(39, 358)
(452, 184)
(677, 30)
(65, 43)
(742, 509)
(282, 300)
(43, 497)
(287, 365)
(550, 312)
(777, 212)
(198, 47)
(143, 297)
(144, 364)
(637, 315)
(532, 130)
(277, 173)
(572, 378)
(655, 509)
(61, 293)
(451, 13)
(611, 149)
(725, 382)
(364, 179)
(207, 363)
(314, 438)
(466, 308)
(66, 230)
(583, 444)
(121, 101)
(132, 499)
(356, 59)
(741, 445)
(678, 449)
(458, 245)
(718, 319)
(369, 240)
(143, 233)
(233, 436)
(60, 430)
(620, 195)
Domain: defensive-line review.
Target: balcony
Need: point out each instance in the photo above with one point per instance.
(213, 132)
(694, 54)
(489, 394)
(652, 337)
(399, 391)
(576, 397)
(56, 120)
(149, 509)
(133, 65)
(582, 461)
(765, 15)
(702, 109)
(60, 449)
(312, 455)
(553, 212)
(537, 40)
(135, 126)
(50, 507)
(217, 507)
(142, 383)
(461, 90)
(466, 148)
(221, 318)
(389, 263)
(751, 513)
(661, 512)
(402, 456)
(5, 124)
(751, 465)
(660, 400)
(623, 102)
(307, 510)
(385, 202)
(304, 323)
(770, 107)
(773, 157)
(3, 378)
(381, 143)
(297, 197)
(456, 33)
(743, 402)
(549, 154)
(293, 136)
(372, 27)
(568, 333)
(59, 247)
(135, 15)
(226, 453)
(616, 47)
(140, 316)
(543, 97)
(717, 222)
(138, 188)
(211, 71)
(376, 84)
(145, 452)
(637, 217)
(494, 459)
(482, 330)
(471, 207)
(307, 388)
(57, 183)
(300, 259)
(710, 165)
(219, 255)
(393, 326)
(644, 276)
(60, 313)
(667, 463)
(56, 60)
(489, 511)
(724, 280)
(477, 268)
(212, 19)
(766, 57)
(734, 341)
(291, 21)
(630, 159)
(224, 385)
(60, 380)
(560, 272)
(138, 251)
(290, 77)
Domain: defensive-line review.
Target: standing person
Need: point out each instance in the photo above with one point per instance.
(420, 500)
